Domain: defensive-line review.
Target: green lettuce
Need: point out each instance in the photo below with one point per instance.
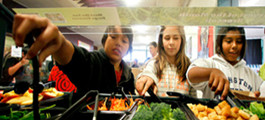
(257, 108)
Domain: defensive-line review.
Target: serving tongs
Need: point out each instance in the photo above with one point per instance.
(119, 90)
(231, 99)
(234, 101)
(127, 101)
(88, 97)
(187, 98)
(153, 96)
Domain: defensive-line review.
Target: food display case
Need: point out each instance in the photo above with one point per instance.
(49, 105)
(65, 109)
(79, 110)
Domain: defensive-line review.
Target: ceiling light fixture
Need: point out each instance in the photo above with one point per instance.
(131, 3)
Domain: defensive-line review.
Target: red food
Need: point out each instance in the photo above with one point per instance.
(5, 99)
(1, 94)
(30, 90)
(49, 95)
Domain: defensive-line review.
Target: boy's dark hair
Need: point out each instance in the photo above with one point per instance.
(127, 30)
(153, 44)
(222, 33)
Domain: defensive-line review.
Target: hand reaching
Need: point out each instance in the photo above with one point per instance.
(219, 83)
(49, 42)
(143, 84)
(24, 61)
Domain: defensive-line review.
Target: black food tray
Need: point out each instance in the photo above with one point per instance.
(80, 112)
(174, 102)
(180, 101)
(85, 114)
(62, 101)
(185, 99)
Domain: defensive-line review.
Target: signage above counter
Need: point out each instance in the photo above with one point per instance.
(216, 16)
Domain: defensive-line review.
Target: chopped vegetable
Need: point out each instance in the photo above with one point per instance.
(88, 107)
(161, 111)
(116, 104)
(158, 111)
(257, 108)
(177, 114)
(143, 113)
(26, 115)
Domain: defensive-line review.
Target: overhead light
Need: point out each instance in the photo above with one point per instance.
(140, 29)
(131, 3)
(244, 3)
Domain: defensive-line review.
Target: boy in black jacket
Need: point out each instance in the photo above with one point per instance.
(102, 70)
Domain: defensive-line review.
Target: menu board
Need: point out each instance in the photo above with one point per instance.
(216, 16)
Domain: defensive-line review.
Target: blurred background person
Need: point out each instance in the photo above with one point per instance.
(135, 64)
(152, 50)
(13, 68)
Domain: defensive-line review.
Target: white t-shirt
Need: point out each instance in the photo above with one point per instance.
(240, 76)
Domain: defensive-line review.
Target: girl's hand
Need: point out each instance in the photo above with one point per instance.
(143, 83)
(219, 83)
(48, 42)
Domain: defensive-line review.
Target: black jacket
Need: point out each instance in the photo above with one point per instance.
(9, 61)
(93, 71)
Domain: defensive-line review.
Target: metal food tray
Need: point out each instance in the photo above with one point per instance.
(62, 101)
(176, 100)
(231, 100)
(173, 101)
(84, 113)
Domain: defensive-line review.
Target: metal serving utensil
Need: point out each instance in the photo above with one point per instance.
(119, 90)
(153, 95)
(127, 101)
(108, 102)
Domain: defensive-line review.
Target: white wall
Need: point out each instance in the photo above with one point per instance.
(247, 3)
(254, 32)
(263, 38)
(203, 3)
(191, 32)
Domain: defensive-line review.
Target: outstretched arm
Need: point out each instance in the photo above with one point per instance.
(143, 84)
(217, 80)
(147, 79)
(50, 41)
(13, 69)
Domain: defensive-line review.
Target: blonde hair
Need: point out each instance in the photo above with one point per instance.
(182, 62)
